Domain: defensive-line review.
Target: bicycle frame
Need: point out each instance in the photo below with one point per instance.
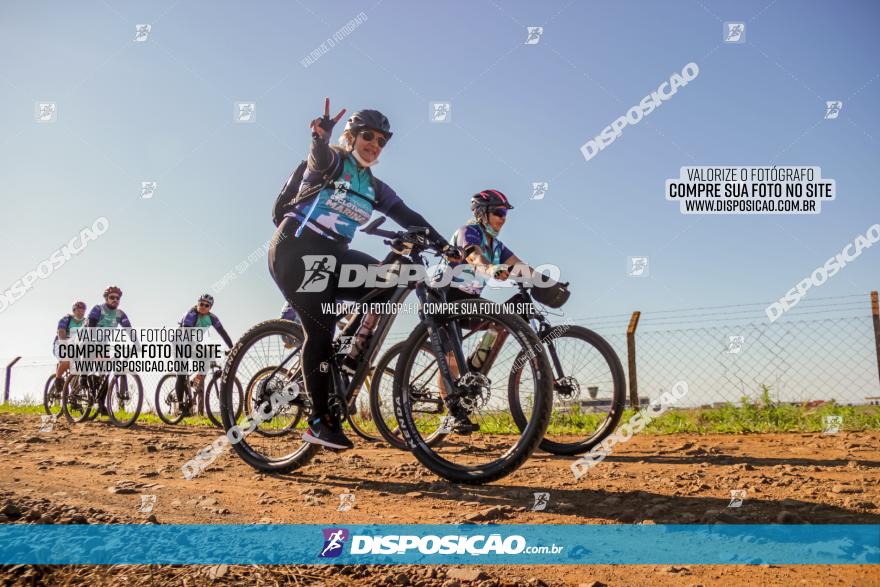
(348, 392)
(440, 344)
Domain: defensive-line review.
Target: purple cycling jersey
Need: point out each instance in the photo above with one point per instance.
(191, 320)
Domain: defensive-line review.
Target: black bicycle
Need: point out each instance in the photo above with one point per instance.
(197, 398)
(382, 398)
(118, 396)
(492, 447)
(589, 387)
(53, 397)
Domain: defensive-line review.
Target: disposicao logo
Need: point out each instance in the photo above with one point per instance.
(334, 540)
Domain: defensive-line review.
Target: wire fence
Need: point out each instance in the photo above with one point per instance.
(821, 350)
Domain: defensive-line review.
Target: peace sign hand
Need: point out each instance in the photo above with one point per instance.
(322, 128)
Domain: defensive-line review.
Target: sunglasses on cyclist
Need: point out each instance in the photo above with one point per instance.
(369, 135)
(204, 305)
(113, 298)
(499, 212)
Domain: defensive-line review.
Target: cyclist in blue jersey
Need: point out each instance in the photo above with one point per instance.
(109, 315)
(486, 257)
(199, 316)
(321, 228)
(67, 324)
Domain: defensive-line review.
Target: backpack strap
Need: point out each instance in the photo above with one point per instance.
(313, 192)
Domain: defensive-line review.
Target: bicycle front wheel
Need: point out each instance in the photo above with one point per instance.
(589, 390)
(212, 401)
(166, 404)
(125, 398)
(52, 399)
(266, 439)
(77, 400)
(479, 399)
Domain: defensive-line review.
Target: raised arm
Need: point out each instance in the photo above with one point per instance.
(321, 157)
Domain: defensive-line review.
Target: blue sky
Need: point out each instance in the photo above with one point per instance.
(162, 110)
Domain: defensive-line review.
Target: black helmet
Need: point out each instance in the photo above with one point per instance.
(207, 298)
(369, 119)
(486, 200)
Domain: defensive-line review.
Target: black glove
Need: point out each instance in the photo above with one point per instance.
(453, 253)
(326, 123)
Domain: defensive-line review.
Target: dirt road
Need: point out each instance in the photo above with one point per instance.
(95, 473)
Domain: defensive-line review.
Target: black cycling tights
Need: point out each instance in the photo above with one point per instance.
(299, 263)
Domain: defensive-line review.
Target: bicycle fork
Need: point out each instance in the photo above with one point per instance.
(444, 340)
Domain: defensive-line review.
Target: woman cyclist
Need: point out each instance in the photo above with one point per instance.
(312, 242)
(486, 258)
(67, 324)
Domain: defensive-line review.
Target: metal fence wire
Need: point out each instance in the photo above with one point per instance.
(820, 350)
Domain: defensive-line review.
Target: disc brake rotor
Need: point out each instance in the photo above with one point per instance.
(475, 390)
(567, 388)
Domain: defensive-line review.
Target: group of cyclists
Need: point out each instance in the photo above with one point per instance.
(337, 194)
(106, 315)
(110, 315)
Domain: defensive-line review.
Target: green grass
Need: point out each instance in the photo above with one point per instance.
(748, 416)
(22, 408)
(144, 418)
(764, 415)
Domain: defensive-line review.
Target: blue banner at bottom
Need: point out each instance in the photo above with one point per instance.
(441, 544)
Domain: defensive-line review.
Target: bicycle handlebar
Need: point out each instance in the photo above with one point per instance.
(415, 235)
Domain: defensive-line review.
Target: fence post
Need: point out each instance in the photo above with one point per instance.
(875, 316)
(9, 377)
(631, 360)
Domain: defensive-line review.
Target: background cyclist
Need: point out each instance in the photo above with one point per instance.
(199, 316)
(109, 315)
(67, 324)
(324, 226)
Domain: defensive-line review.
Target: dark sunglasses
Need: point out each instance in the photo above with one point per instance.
(369, 135)
(112, 298)
(499, 212)
(204, 305)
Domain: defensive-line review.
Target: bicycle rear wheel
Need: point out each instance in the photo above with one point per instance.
(125, 398)
(267, 441)
(382, 396)
(589, 393)
(499, 447)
